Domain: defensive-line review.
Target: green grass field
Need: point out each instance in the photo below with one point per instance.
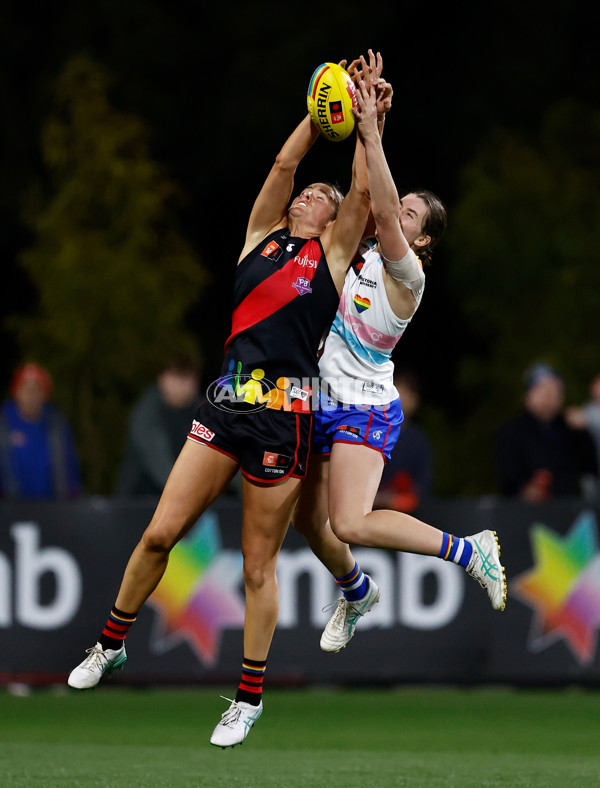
(115, 737)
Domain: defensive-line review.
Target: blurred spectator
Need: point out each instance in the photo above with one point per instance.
(539, 454)
(588, 415)
(407, 476)
(38, 459)
(158, 427)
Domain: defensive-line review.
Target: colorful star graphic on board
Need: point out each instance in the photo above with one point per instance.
(199, 595)
(563, 588)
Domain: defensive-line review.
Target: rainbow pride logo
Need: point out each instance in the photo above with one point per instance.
(563, 588)
(200, 594)
(361, 303)
(318, 73)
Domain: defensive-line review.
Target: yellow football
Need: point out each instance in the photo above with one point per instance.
(331, 96)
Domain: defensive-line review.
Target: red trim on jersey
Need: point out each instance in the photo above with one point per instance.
(274, 292)
(353, 443)
(294, 463)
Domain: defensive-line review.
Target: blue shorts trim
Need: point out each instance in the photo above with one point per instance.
(375, 426)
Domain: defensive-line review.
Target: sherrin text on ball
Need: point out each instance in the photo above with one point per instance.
(331, 96)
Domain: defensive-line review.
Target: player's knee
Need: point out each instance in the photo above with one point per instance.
(346, 529)
(256, 574)
(158, 540)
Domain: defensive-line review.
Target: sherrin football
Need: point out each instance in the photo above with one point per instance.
(331, 96)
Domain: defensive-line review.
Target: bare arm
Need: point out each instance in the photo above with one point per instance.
(341, 242)
(404, 274)
(270, 206)
(385, 203)
(341, 239)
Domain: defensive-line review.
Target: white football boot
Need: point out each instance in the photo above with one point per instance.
(340, 627)
(98, 662)
(486, 568)
(235, 723)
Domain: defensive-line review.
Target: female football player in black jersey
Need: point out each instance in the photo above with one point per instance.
(258, 416)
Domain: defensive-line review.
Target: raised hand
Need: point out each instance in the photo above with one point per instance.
(369, 72)
(384, 92)
(366, 110)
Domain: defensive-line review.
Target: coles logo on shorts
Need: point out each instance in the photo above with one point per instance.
(271, 459)
(201, 431)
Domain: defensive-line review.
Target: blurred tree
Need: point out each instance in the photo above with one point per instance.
(113, 275)
(525, 246)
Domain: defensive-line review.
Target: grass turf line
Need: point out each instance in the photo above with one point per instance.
(113, 737)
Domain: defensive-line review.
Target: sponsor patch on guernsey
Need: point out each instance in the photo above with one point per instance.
(376, 388)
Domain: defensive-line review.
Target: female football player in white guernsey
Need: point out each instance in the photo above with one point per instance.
(360, 415)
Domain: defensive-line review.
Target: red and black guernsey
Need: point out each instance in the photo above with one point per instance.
(284, 304)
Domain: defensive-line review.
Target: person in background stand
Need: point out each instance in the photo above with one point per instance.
(38, 458)
(587, 416)
(158, 427)
(539, 455)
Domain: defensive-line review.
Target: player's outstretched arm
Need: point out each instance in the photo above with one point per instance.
(349, 226)
(385, 203)
(270, 206)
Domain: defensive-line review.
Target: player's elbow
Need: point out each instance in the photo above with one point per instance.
(386, 215)
(284, 164)
(361, 189)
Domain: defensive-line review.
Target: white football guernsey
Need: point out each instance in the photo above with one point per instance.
(356, 366)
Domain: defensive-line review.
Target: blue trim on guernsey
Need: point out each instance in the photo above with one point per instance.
(374, 356)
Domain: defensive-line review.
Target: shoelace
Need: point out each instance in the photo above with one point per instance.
(232, 715)
(96, 656)
(342, 612)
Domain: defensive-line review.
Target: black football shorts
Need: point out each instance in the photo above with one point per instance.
(269, 445)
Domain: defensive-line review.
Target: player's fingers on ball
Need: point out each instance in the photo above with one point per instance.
(361, 94)
(353, 68)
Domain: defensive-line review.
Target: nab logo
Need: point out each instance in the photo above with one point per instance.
(563, 587)
(33, 566)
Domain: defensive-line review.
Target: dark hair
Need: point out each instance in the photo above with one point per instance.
(435, 221)
(182, 363)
